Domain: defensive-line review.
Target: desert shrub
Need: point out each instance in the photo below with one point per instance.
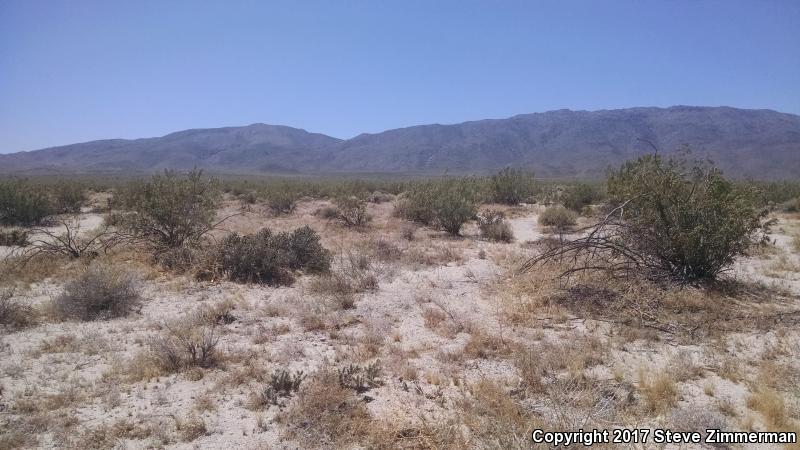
(511, 186)
(558, 218)
(101, 292)
(407, 231)
(13, 313)
(189, 343)
(282, 201)
(270, 258)
(671, 220)
(69, 241)
(327, 212)
(170, 210)
(16, 237)
(581, 195)
(688, 221)
(327, 415)
(447, 204)
(68, 196)
(360, 378)
(379, 197)
(790, 206)
(493, 226)
(282, 384)
(23, 203)
(352, 211)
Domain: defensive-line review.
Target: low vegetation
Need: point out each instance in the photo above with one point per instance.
(512, 186)
(494, 227)
(271, 258)
(671, 219)
(170, 210)
(101, 292)
(558, 219)
(310, 325)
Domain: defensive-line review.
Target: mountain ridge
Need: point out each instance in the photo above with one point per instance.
(756, 143)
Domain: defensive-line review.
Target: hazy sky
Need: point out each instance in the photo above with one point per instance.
(72, 71)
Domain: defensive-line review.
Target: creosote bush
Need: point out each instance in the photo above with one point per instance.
(581, 195)
(352, 211)
(493, 226)
(282, 201)
(669, 220)
(511, 186)
(558, 218)
(688, 221)
(23, 203)
(101, 292)
(270, 258)
(170, 210)
(446, 204)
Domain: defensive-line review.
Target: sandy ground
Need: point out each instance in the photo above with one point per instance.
(417, 323)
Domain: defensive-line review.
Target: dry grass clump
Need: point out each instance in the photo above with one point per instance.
(695, 418)
(540, 365)
(659, 391)
(493, 226)
(325, 414)
(771, 405)
(191, 428)
(14, 313)
(558, 219)
(187, 344)
(354, 273)
(101, 292)
(482, 345)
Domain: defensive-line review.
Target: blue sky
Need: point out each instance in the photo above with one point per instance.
(72, 71)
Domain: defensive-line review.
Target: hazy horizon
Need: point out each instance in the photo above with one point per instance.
(74, 72)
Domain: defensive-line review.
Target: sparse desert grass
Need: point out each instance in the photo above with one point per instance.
(472, 353)
(327, 414)
(658, 390)
(14, 313)
(771, 405)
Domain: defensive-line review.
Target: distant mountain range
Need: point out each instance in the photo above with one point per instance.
(761, 144)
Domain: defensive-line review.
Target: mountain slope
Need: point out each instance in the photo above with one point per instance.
(253, 148)
(754, 143)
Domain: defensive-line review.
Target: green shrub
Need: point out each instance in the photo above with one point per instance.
(352, 211)
(790, 206)
(686, 221)
(558, 218)
(511, 186)
(493, 226)
(170, 210)
(270, 258)
(580, 196)
(23, 203)
(102, 292)
(68, 197)
(282, 201)
(446, 204)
